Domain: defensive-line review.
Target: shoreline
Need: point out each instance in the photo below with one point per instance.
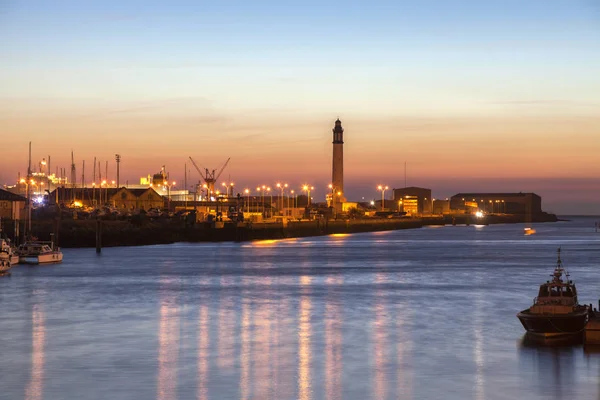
(82, 233)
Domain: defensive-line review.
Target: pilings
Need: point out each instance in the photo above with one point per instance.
(98, 236)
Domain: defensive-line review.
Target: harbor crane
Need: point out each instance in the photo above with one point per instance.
(210, 178)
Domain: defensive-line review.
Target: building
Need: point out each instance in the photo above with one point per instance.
(441, 206)
(337, 196)
(497, 203)
(12, 206)
(412, 200)
(121, 198)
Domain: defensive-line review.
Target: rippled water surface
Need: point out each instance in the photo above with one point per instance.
(416, 314)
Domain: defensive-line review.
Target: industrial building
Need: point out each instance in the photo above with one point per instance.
(497, 203)
(122, 198)
(12, 205)
(412, 200)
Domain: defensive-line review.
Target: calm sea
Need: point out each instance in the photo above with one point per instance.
(416, 314)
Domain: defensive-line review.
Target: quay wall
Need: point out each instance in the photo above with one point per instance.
(82, 233)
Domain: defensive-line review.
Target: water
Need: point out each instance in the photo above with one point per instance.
(414, 314)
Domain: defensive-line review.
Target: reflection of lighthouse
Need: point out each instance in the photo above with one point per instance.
(337, 175)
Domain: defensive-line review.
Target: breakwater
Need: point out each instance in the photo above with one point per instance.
(82, 233)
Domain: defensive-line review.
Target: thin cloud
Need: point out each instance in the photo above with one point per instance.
(545, 103)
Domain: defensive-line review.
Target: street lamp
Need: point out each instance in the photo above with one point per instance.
(271, 203)
(227, 186)
(247, 192)
(382, 189)
(261, 191)
(295, 198)
(281, 187)
(307, 189)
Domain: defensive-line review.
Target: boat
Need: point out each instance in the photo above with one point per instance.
(7, 256)
(555, 311)
(38, 252)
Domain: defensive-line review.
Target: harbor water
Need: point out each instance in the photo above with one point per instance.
(414, 314)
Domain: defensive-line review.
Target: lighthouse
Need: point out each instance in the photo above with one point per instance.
(337, 196)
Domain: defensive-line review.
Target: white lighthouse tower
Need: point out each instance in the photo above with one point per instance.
(336, 198)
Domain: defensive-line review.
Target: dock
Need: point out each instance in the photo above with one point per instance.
(592, 328)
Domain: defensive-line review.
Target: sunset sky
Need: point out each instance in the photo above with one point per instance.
(494, 95)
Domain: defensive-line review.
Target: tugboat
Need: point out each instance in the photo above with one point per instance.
(555, 311)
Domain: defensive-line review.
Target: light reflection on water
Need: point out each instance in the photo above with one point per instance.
(168, 342)
(395, 315)
(35, 387)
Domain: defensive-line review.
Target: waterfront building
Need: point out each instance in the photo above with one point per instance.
(412, 200)
(12, 206)
(121, 198)
(499, 203)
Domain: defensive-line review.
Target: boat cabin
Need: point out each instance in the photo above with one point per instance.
(556, 296)
(34, 249)
(557, 293)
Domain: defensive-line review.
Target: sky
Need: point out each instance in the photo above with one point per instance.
(495, 95)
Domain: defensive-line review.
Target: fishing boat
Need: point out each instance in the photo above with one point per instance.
(555, 311)
(37, 252)
(7, 256)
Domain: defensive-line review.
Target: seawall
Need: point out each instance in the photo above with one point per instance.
(82, 233)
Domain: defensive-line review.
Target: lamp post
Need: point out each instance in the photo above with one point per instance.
(227, 187)
(292, 192)
(307, 189)
(281, 187)
(382, 189)
(247, 192)
(271, 203)
(261, 191)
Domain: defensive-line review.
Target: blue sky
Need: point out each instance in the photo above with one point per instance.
(454, 53)
(402, 75)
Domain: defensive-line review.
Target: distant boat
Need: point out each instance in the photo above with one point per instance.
(35, 252)
(555, 311)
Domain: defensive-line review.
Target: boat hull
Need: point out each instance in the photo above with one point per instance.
(50, 258)
(553, 325)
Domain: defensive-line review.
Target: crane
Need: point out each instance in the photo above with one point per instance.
(210, 178)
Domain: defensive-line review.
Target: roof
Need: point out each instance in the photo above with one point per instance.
(520, 194)
(9, 196)
(66, 193)
(411, 188)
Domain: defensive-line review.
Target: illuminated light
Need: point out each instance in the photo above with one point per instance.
(339, 234)
(77, 203)
(372, 202)
(265, 242)
(479, 214)
(39, 200)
